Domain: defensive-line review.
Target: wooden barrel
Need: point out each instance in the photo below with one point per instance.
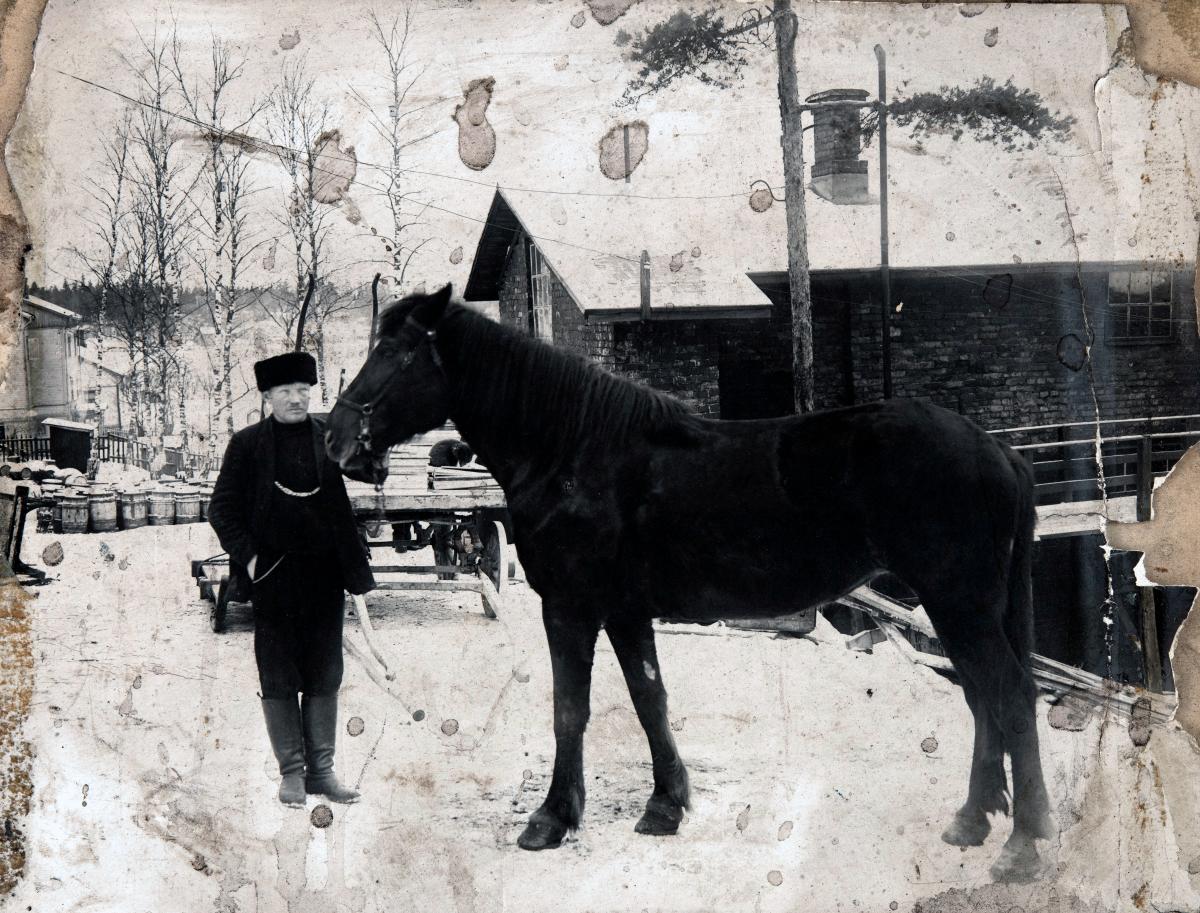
(187, 505)
(102, 510)
(133, 509)
(205, 497)
(160, 508)
(56, 517)
(74, 513)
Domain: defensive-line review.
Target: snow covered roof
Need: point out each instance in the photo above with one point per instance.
(51, 307)
(66, 423)
(597, 258)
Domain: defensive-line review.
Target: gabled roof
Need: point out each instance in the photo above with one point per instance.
(593, 244)
(51, 307)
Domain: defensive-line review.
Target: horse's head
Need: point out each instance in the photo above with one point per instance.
(400, 391)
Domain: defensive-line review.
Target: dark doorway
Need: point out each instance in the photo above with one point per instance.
(70, 447)
(749, 389)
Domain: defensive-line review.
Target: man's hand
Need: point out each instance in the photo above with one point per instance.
(250, 567)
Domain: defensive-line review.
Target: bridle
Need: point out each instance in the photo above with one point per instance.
(365, 410)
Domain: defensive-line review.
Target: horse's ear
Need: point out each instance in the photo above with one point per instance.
(430, 311)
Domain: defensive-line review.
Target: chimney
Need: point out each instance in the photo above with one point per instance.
(838, 174)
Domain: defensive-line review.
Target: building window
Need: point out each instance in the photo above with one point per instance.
(540, 279)
(1139, 305)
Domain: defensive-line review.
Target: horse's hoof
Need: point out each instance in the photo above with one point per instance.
(1019, 862)
(659, 822)
(541, 835)
(967, 830)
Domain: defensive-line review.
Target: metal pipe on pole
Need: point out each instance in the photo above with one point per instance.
(884, 274)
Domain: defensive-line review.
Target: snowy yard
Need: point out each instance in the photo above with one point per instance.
(821, 777)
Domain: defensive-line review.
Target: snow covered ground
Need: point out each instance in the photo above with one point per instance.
(821, 777)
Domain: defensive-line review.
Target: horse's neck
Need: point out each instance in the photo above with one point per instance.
(515, 435)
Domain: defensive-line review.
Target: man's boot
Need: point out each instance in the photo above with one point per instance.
(287, 740)
(320, 713)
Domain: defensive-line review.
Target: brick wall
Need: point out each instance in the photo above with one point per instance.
(680, 357)
(571, 331)
(991, 351)
(987, 350)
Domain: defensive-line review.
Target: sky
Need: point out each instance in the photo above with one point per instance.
(558, 77)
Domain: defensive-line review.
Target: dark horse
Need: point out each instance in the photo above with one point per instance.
(626, 508)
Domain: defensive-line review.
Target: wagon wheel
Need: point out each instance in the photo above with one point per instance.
(495, 558)
(443, 552)
(220, 607)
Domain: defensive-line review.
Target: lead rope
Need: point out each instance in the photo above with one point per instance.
(380, 515)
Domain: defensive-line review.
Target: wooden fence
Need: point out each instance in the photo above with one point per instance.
(1132, 453)
(25, 448)
(113, 448)
(108, 448)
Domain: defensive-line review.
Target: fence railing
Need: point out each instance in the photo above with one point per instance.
(1068, 463)
(107, 448)
(25, 448)
(113, 448)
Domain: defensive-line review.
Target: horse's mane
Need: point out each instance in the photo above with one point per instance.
(510, 380)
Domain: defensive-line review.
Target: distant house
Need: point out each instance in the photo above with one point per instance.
(41, 376)
(103, 399)
(51, 373)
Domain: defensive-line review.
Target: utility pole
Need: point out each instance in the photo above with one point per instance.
(792, 141)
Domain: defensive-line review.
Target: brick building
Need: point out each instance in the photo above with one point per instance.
(1003, 344)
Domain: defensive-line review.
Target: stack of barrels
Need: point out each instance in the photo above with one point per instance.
(80, 507)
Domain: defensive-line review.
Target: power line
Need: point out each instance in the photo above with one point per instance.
(267, 145)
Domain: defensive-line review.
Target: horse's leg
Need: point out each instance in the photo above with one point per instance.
(633, 642)
(572, 643)
(989, 784)
(980, 650)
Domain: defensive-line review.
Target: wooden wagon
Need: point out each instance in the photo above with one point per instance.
(458, 512)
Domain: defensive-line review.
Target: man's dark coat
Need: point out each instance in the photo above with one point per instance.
(240, 507)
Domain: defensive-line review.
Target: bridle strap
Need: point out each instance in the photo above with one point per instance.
(366, 409)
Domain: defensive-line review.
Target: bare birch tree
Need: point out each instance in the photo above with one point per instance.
(163, 190)
(223, 217)
(110, 197)
(399, 129)
(298, 122)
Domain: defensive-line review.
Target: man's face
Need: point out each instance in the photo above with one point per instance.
(289, 402)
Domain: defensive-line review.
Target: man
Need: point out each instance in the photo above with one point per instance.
(280, 509)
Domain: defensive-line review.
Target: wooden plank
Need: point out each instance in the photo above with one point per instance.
(793, 623)
(417, 568)
(909, 652)
(491, 598)
(364, 621)
(1150, 652)
(878, 606)
(480, 585)
(1050, 674)
(466, 584)
(364, 500)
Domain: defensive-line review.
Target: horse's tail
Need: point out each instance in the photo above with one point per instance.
(1018, 620)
